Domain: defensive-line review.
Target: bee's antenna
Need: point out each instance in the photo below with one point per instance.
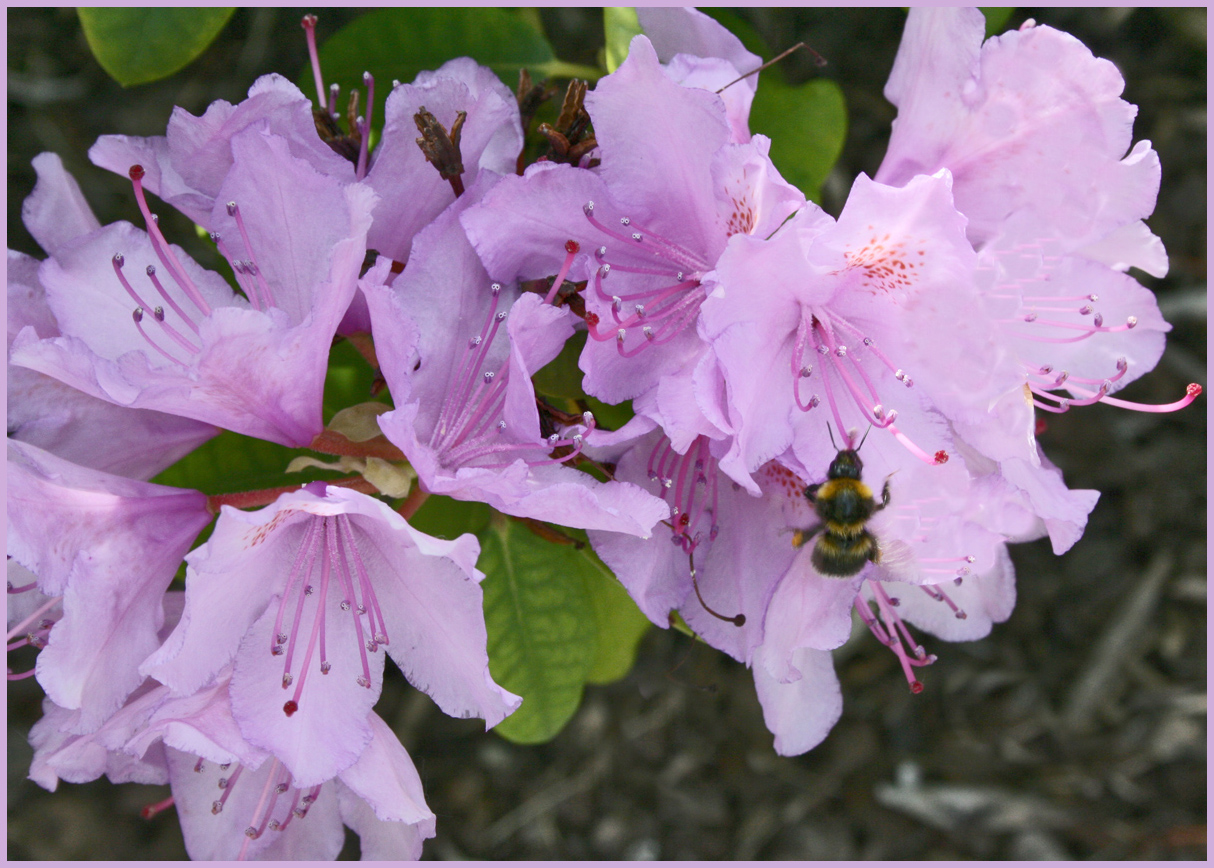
(865, 437)
(832, 437)
(737, 620)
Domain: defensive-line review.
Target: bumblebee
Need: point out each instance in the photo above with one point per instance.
(844, 504)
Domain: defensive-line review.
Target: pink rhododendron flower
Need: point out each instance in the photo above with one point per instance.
(51, 414)
(109, 547)
(412, 193)
(858, 318)
(306, 596)
(196, 348)
(234, 800)
(187, 167)
(696, 51)
(648, 224)
(1038, 141)
(458, 352)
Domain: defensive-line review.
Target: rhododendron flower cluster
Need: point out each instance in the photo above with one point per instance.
(980, 276)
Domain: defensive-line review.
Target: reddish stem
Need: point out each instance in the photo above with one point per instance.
(332, 443)
(266, 496)
(413, 502)
(362, 342)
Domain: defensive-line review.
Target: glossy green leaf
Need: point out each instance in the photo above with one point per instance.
(619, 624)
(807, 124)
(138, 45)
(996, 18)
(348, 381)
(398, 43)
(540, 621)
(448, 518)
(740, 28)
(234, 462)
(562, 378)
(610, 416)
(620, 24)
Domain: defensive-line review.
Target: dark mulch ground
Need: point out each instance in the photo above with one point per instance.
(1076, 730)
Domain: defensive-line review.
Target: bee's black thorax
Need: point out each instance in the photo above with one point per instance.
(844, 504)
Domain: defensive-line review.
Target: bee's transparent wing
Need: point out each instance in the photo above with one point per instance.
(898, 562)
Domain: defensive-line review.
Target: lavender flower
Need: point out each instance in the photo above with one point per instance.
(466, 414)
(305, 596)
(196, 348)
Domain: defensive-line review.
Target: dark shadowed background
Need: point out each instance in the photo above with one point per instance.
(1075, 730)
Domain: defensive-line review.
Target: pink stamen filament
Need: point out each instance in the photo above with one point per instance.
(600, 255)
(1087, 331)
(162, 248)
(669, 329)
(305, 557)
(673, 308)
(251, 264)
(251, 833)
(137, 315)
(18, 676)
(20, 628)
(180, 339)
(318, 620)
(226, 785)
(351, 600)
(151, 273)
(150, 811)
(471, 362)
(473, 450)
(571, 250)
(309, 26)
(290, 814)
(243, 277)
(650, 242)
(1043, 372)
(940, 597)
(893, 634)
(651, 311)
(22, 589)
(471, 430)
(379, 627)
(369, 81)
(829, 349)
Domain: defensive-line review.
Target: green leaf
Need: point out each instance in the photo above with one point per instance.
(233, 462)
(996, 18)
(619, 624)
(448, 518)
(136, 46)
(807, 124)
(348, 381)
(561, 378)
(398, 43)
(540, 621)
(620, 24)
(740, 28)
(613, 417)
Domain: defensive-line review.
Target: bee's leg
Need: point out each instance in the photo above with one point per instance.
(884, 495)
(811, 492)
(801, 536)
